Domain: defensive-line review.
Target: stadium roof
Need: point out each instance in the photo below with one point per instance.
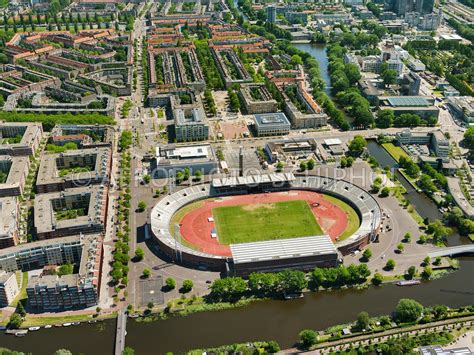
(253, 179)
(401, 101)
(282, 249)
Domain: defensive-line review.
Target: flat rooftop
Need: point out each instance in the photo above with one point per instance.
(170, 155)
(94, 199)
(267, 119)
(282, 249)
(29, 131)
(18, 170)
(8, 216)
(50, 173)
(407, 101)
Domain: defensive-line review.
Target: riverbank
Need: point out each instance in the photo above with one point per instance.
(187, 306)
(437, 325)
(32, 320)
(382, 335)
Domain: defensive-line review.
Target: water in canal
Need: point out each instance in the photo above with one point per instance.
(318, 52)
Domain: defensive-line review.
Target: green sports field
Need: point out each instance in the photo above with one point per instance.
(265, 221)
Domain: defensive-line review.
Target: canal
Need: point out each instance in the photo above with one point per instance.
(422, 203)
(318, 51)
(277, 320)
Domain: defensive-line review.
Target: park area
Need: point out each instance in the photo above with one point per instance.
(394, 151)
(265, 221)
(213, 224)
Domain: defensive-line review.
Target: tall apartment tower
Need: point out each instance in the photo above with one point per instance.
(271, 14)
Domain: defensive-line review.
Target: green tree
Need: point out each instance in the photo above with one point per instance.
(407, 237)
(352, 73)
(147, 179)
(128, 351)
(296, 60)
(390, 265)
(3, 58)
(170, 283)
(385, 118)
(408, 310)
(411, 272)
(438, 230)
(229, 288)
(389, 76)
(279, 166)
(292, 281)
(20, 309)
(385, 192)
(139, 254)
(66, 269)
(426, 261)
(310, 164)
(400, 248)
(357, 145)
(440, 311)
(377, 279)
(15, 321)
(141, 206)
(307, 338)
(427, 273)
(146, 273)
(367, 254)
(469, 138)
(198, 175)
(303, 166)
(272, 347)
(187, 286)
(363, 321)
(62, 352)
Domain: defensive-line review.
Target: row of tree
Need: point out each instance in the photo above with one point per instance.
(287, 282)
(386, 118)
(344, 78)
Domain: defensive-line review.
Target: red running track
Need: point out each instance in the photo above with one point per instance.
(196, 229)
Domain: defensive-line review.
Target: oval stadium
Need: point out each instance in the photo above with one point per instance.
(238, 225)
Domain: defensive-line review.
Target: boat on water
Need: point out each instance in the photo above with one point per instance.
(92, 321)
(76, 323)
(47, 326)
(58, 325)
(34, 328)
(21, 332)
(66, 324)
(408, 283)
(293, 296)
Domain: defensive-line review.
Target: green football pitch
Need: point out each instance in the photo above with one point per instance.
(265, 221)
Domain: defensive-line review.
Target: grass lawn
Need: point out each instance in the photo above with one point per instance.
(21, 278)
(353, 220)
(394, 151)
(32, 321)
(266, 221)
